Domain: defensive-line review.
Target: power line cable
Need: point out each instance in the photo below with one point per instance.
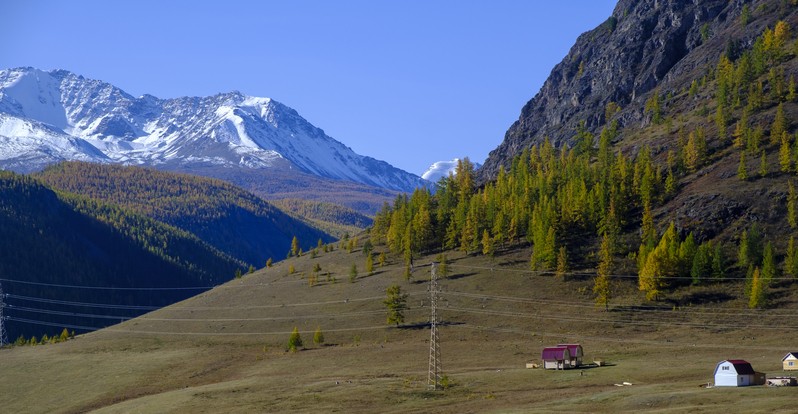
(619, 306)
(593, 273)
(83, 304)
(57, 325)
(58, 285)
(74, 314)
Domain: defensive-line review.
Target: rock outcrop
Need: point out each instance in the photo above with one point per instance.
(644, 44)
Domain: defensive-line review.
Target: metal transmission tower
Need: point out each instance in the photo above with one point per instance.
(3, 334)
(435, 368)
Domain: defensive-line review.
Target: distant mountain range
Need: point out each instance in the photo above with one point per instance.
(51, 116)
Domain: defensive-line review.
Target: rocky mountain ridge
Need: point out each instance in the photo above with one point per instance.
(611, 70)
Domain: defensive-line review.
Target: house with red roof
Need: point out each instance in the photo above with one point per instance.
(737, 373)
(556, 357)
(576, 353)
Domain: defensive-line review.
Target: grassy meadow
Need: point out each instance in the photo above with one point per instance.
(224, 350)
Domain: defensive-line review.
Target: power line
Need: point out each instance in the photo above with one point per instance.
(363, 328)
(620, 322)
(619, 306)
(74, 314)
(83, 304)
(625, 340)
(58, 285)
(593, 273)
(57, 325)
(155, 319)
(275, 318)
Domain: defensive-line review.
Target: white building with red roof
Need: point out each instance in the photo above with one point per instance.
(576, 353)
(556, 357)
(737, 373)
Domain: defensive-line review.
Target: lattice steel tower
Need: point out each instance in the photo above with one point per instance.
(435, 368)
(3, 334)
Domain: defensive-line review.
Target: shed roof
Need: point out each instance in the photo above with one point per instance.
(742, 367)
(555, 353)
(790, 354)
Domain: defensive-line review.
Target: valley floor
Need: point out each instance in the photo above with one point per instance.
(223, 351)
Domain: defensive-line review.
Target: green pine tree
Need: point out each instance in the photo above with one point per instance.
(396, 304)
(294, 341)
(318, 337)
(294, 246)
(370, 263)
(742, 169)
(601, 286)
(758, 294)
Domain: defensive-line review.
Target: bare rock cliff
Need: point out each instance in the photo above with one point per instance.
(643, 44)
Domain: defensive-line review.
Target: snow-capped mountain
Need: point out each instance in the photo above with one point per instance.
(442, 169)
(47, 117)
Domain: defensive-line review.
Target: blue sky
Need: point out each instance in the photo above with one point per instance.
(408, 82)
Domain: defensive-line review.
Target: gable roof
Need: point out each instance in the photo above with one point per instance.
(555, 353)
(572, 348)
(742, 367)
(794, 355)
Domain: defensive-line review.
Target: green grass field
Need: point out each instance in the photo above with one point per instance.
(224, 350)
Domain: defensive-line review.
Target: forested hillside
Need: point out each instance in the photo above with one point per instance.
(701, 193)
(333, 218)
(52, 241)
(279, 184)
(228, 218)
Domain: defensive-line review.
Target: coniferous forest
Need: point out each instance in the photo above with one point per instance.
(590, 206)
(114, 229)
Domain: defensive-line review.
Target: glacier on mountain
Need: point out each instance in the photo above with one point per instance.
(49, 116)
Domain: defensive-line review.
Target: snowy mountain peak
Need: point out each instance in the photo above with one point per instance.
(51, 116)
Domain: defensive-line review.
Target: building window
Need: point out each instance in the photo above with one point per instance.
(725, 368)
(790, 363)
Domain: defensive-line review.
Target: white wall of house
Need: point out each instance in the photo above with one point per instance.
(727, 376)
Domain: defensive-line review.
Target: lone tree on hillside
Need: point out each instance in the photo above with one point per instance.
(396, 303)
(294, 246)
(318, 336)
(295, 341)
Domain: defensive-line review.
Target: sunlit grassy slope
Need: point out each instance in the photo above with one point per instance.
(224, 351)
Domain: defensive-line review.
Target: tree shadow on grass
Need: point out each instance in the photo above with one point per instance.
(592, 366)
(778, 299)
(514, 262)
(459, 276)
(636, 308)
(426, 325)
(701, 298)
(374, 273)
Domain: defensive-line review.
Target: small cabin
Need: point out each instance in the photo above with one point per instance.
(790, 361)
(737, 373)
(556, 358)
(576, 353)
